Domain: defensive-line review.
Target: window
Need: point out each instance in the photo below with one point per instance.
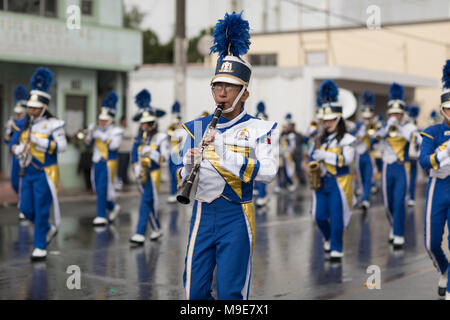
(87, 7)
(46, 8)
(263, 59)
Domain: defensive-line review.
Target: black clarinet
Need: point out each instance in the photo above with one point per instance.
(184, 196)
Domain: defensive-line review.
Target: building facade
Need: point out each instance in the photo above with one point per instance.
(84, 43)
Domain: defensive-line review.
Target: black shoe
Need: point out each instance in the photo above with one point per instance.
(441, 291)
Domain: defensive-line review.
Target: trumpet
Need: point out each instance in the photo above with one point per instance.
(82, 134)
(314, 169)
(393, 131)
(145, 161)
(371, 129)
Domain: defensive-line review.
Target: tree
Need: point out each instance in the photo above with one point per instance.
(133, 18)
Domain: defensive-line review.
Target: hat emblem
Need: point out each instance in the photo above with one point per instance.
(226, 67)
(34, 98)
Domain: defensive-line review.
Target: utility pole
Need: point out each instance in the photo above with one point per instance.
(180, 55)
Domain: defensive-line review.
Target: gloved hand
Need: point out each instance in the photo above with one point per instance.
(102, 135)
(18, 149)
(392, 121)
(40, 142)
(319, 155)
(137, 171)
(192, 157)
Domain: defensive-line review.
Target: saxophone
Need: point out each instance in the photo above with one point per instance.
(145, 161)
(314, 169)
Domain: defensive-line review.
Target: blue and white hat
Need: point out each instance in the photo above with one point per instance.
(231, 41)
(40, 84)
(445, 95)
(20, 99)
(261, 111)
(328, 93)
(176, 112)
(413, 112)
(396, 103)
(108, 110)
(367, 104)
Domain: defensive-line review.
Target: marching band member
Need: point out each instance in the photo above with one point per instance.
(395, 137)
(148, 149)
(16, 124)
(364, 162)
(434, 118)
(414, 149)
(37, 146)
(177, 136)
(435, 158)
(261, 192)
(286, 171)
(239, 152)
(105, 139)
(334, 150)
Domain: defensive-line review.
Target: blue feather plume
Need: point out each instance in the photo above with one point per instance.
(143, 99)
(231, 36)
(318, 100)
(110, 100)
(434, 114)
(396, 92)
(328, 91)
(159, 113)
(446, 75)
(176, 107)
(261, 107)
(20, 93)
(288, 116)
(368, 98)
(41, 80)
(413, 111)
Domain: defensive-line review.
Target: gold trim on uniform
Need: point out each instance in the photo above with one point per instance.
(398, 144)
(53, 173)
(249, 212)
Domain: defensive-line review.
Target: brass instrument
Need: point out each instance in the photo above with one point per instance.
(145, 161)
(371, 129)
(393, 131)
(25, 156)
(314, 168)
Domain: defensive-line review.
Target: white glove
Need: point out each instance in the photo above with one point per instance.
(18, 149)
(102, 135)
(137, 170)
(392, 121)
(319, 155)
(40, 142)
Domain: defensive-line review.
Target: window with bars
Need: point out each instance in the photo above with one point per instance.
(87, 7)
(46, 8)
(263, 59)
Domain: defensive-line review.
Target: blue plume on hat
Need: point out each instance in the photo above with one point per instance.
(142, 99)
(328, 91)
(176, 107)
(110, 100)
(41, 80)
(380, 118)
(318, 100)
(368, 98)
(396, 92)
(231, 36)
(434, 114)
(261, 107)
(413, 111)
(20, 93)
(446, 75)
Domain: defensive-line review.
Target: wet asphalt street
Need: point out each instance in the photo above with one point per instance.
(289, 262)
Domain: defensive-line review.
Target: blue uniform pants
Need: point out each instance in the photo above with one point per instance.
(412, 179)
(437, 213)
(101, 179)
(14, 174)
(365, 168)
(147, 208)
(220, 234)
(328, 212)
(35, 202)
(395, 184)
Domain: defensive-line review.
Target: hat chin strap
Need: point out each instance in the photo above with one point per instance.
(236, 100)
(444, 114)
